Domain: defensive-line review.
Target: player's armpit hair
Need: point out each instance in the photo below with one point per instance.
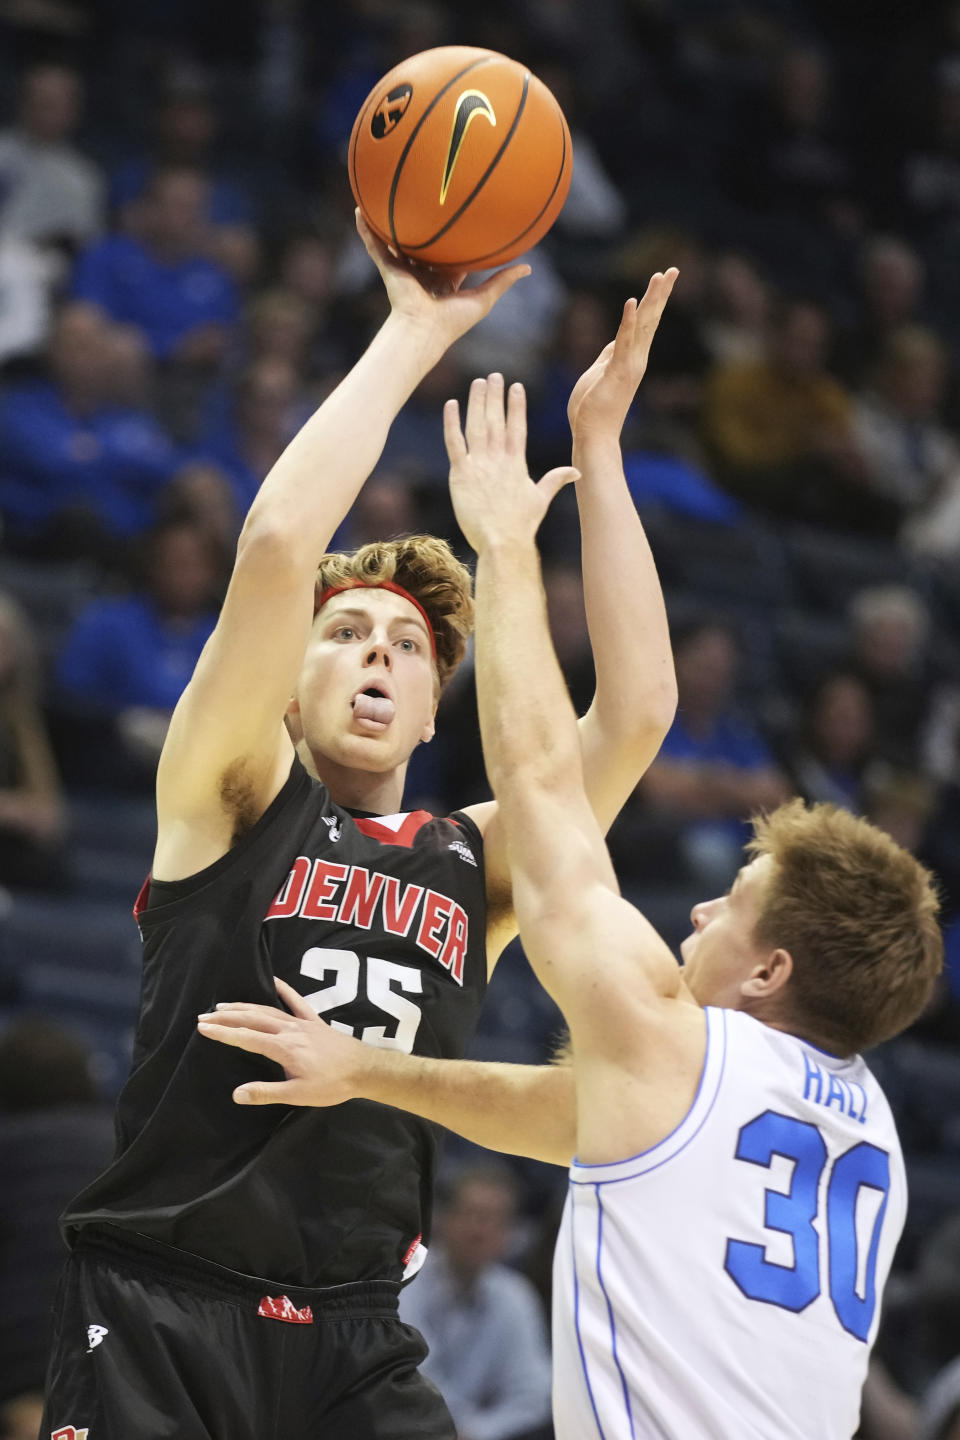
(562, 1052)
(427, 568)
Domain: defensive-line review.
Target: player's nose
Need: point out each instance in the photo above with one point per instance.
(700, 913)
(378, 654)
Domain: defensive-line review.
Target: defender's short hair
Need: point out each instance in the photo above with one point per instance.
(429, 570)
(858, 914)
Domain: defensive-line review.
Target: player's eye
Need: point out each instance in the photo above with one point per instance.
(409, 646)
(344, 632)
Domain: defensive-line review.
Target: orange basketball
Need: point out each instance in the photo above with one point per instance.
(460, 158)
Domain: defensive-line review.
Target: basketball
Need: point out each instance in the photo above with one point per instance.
(460, 158)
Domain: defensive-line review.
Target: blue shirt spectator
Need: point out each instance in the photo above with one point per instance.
(162, 280)
(165, 300)
(69, 443)
(489, 1355)
(187, 127)
(140, 650)
(730, 740)
(123, 652)
(113, 461)
(229, 204)
(246, 442)
(714, 768)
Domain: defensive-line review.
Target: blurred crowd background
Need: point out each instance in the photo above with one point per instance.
(181, 285)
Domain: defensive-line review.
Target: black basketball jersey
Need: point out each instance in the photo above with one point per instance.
(380, 922)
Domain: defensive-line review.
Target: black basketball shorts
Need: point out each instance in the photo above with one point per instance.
(149, 1350)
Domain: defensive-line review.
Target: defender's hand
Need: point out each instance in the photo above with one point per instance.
(493, 497)
(321, 1064)
(434, 298)
(603, 395)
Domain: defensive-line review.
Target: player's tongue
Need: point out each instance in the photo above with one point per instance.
(371, 706)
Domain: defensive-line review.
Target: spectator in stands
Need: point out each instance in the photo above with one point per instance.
(415, 443)
(519, 327)
(279, 331)
(308, 267)
(934, 1300)
(55, 1136)
(736, 310)
(890, 283)
(594, 209)
(202, 491)
(791, 158)
(681, 360)
(32, 811)
(931, 175)
(161, 277)
(779, 429)
(940, 1412)
(269, 408)
(281, 326)
(127, 658)
(80, 466)
(828, 757)
(49, 192)
(581, 333)
(27, 277)
(913, 461)
(900, 802)
(187, 129)
(890, 653)
(385, 508)
(941, 760)
(714, 767)
(886, 1412)
(489, 1354)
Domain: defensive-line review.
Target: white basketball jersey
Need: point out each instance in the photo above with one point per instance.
(725, 1285)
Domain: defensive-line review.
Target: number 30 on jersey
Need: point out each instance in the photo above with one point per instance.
(852, 1276)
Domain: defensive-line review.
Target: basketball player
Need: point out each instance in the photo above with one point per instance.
(738, 1188)
(235, 1275)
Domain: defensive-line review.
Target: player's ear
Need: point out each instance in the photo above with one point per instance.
(428, 731)
(293, 721)
(769, 975)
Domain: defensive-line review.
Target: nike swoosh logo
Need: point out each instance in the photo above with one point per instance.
(470, 104)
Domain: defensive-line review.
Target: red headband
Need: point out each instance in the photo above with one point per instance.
(332, 590)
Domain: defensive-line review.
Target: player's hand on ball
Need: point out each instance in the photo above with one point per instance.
(435, 298)
(493, 497)
(322, 1065)
(603, 395)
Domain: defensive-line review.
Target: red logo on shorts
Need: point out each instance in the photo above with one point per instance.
(69, 1432)
(281, 1307)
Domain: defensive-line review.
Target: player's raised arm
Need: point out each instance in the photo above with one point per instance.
(227, 753)
(636, 694)
(580, 936)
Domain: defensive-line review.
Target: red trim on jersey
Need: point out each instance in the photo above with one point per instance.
(332, 590)
(404, 834)
(140, 904)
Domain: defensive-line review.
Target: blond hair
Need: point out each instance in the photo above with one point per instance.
(858, 915)
(425, 567)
